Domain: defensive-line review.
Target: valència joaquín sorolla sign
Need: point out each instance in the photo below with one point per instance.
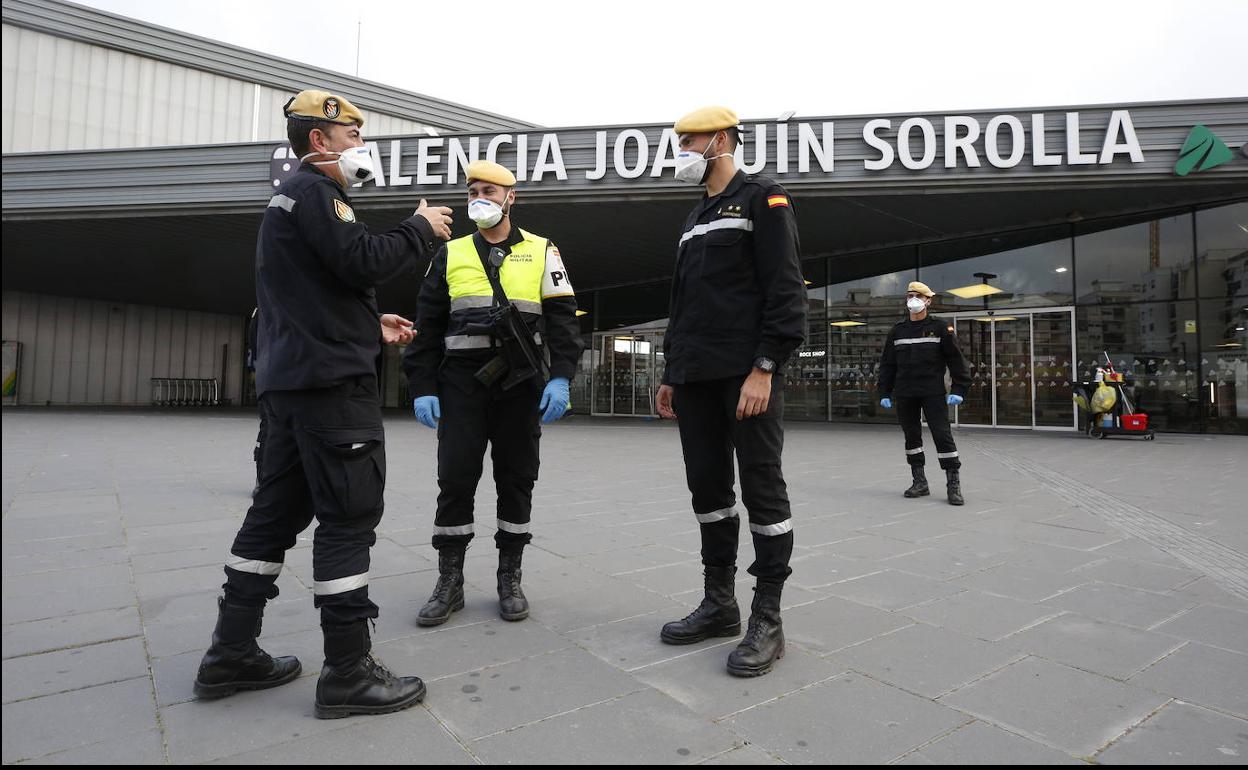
(916, 143)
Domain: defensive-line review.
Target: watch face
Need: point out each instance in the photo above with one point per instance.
(766, 364)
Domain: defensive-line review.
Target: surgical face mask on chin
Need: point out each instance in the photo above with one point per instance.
(693, 167)
(355, 164)
(485, 213)
(916, 305)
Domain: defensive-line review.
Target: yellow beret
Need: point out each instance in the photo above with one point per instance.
(707, 119)
(487, 171)
(322, 105)
(921, 288)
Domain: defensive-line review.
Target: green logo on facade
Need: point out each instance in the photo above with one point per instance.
(1202, 150)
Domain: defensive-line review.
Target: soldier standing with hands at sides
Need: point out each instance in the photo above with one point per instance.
(912, 373)
(319, 336)
(738, 311)
(469, 383)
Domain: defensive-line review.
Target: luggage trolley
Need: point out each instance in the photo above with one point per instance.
(1107, 406)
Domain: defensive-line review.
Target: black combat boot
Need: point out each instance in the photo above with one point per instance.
(448, 594)
(954, 488)
(919, 488)
(234, 661)
(717, 615)
(763, 644)
(511, 602)
(354, 682)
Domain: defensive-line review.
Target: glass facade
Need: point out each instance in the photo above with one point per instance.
(1165, 297)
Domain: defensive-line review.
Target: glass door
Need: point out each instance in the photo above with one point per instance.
(1012, 370)
(1053, 354)
(1021, 368)
(975, 341)
(626, 374)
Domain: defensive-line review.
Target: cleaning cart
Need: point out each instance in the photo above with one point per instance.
(1107, 406)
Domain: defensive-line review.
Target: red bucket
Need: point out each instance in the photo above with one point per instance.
(1135, 421)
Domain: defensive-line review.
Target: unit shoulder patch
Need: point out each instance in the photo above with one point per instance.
(343, 211)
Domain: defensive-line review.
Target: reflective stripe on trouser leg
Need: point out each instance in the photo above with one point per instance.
(713, 516)
(909, 416)
(759, 443)
(719, 541)
(936, 410)
(462, 439)
(515, 434)
(339, 585)
(281, 508)
(250, 582)
(706, 443)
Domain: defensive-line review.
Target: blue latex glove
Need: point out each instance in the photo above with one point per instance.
(428, 410)
(953, 400)
(555, 399)
(887, 403)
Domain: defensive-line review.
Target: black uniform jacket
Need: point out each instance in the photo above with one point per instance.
(737, 291)
(559, 328)
(915, 357)
(316, 267)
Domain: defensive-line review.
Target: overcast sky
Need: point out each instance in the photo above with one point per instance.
(586, 63)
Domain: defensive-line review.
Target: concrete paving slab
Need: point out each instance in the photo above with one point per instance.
(47, 673)
(71, 631)
(926, 660)
(1213, 626)
(980, 743)
(450, 650)
(1128, 606)
(1203, 675)
(1062, 707)
(645, 727)
(832, 624)
(1112, 650)
(1181, 734)
(700, 681)
(1137, 574)
(859, 721)
(892, 590)
(1025, 583)
(982, 615)
(39, 726)
(408, 737)
(142, 748)
(498, 698)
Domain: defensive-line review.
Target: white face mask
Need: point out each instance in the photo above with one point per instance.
(485, 212)
(693, 167)
(355, 163)
(916, 305)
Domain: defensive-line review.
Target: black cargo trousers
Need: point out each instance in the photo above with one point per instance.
(710, 434)
(324, 457)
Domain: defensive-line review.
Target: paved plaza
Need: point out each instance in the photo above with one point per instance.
(1088, 604)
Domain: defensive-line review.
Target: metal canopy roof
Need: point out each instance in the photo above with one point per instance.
(177, 226)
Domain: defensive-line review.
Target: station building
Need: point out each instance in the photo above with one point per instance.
(138, 161)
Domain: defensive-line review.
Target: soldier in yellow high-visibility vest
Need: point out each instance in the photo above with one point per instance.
(441, 366)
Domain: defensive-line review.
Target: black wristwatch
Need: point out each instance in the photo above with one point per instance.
(765, 364)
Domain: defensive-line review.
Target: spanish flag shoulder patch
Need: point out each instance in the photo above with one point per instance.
(777, 200)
